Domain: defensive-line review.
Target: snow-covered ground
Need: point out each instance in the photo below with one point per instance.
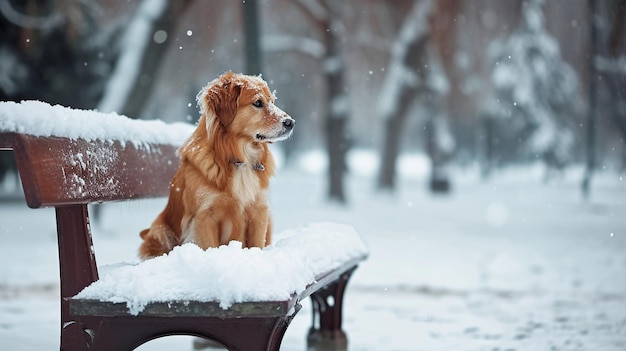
(510, 264)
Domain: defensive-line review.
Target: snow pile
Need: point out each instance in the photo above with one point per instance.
(41, 119)
(230, 274)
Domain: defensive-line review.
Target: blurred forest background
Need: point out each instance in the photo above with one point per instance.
(480, 83)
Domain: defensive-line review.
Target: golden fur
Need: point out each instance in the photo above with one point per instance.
(219, 193)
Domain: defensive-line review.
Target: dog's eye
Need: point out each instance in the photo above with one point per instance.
(258, 103)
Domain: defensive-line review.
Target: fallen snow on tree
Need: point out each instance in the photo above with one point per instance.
(41, 119)
(399, 75)
(231, 274)
(133, 46)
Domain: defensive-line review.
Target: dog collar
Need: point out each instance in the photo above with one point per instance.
(257, 166)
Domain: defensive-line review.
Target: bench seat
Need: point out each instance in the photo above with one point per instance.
(259, 309)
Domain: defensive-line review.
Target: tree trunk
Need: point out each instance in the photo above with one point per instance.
(488, 126)
(591, 120)
(617, 80)
(337, 109)
(337, 147)
(326, 15)
(439, 180)
(404, 79)
(391, 146)
(251, 30)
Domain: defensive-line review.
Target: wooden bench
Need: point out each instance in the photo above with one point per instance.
(69, 174)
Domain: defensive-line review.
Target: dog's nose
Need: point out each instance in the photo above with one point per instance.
(289, 123)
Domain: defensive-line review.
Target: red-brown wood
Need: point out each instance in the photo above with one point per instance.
(60, 171)
(77, 264)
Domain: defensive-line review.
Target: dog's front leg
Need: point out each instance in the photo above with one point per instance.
(232, 229)
(205, 229)
(258, 229)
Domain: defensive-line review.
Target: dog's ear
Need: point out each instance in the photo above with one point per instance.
(223, 99)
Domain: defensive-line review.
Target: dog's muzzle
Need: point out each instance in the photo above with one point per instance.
(289, 123)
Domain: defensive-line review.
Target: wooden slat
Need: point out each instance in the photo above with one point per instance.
(84, 307)
(60, 171)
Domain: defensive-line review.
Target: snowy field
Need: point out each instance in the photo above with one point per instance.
(512, 264)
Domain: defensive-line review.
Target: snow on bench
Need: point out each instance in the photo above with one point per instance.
(230, 274)
(41, 119)
(88, 156)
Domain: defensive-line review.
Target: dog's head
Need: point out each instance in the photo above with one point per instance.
(244, 105)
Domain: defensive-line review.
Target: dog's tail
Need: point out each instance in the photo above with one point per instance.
(157, 241)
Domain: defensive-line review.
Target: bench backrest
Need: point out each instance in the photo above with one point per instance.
(61, 171)
(68, 174)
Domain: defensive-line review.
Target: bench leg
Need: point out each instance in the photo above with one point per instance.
(328, 306)
(77, 265)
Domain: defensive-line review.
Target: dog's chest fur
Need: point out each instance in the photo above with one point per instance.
(246, 185)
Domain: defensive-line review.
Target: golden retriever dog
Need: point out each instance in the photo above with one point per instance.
(220, 191)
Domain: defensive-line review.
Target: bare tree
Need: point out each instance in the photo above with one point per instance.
(592, 95)
(607, 76)
(326, 15)
(142, 49)
(409, 75)
(616, 75)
